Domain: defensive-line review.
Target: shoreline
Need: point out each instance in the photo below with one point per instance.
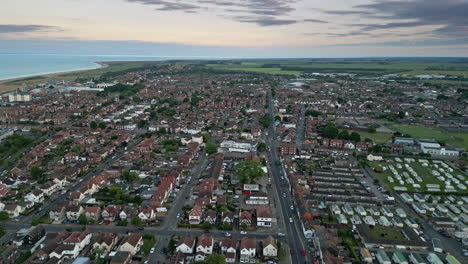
(101, 64)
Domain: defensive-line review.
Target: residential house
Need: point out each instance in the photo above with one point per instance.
(270, 249)
(204, 247)
(13, 210)
(186, 244)
(245, 217)
(248, 249)
(105, 242)
(229, 249)
(132, 243)
(57, 213)
(195, 215)
(109, 213)
(93, 212)
(35, 196)
(73, 211)
(264, 218)
(210, 217)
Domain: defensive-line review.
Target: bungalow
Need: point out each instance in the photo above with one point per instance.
(270, 249)
(132, 243)
(264, 218)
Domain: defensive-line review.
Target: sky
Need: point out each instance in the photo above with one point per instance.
(236, 28)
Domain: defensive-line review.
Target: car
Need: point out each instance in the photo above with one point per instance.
(281, 234)
(101, 222)
(291, 252)
(292, 207)
(290, 220)
(141, 228)
(372, 193)
(243, 232)
(178, 215)
(227, 234)
(107, 222)
(146, 262)
(206, 231)
(303, 253)
(284, 195)
(152, 250)
(162, 250)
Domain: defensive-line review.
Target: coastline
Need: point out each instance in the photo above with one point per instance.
(7, 88)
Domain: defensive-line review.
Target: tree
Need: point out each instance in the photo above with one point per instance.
(215, 259)
(211, 148)
(371, 129)
(3, 216)
(355, 137)
(265, 121)
(129, 176)
(249, 171)
(142, 123)
(36, 172)
(2, 231)
(93, 124)
(312, 112)
(136, 221)
(344, 135)
(76, 149)
(82, 219)
(261, 147)
(243, 226)
(330, 131)
(123, 222)
(102, 125)
(205, 225)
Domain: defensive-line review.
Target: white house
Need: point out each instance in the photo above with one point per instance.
(132, 243)
(248, 249)
(204, 247)
(270, 249)
(229, 249)
(186, 245)
(35, 196)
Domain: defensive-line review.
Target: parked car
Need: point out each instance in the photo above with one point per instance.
(152, 250)
(243, 232)
(290, 220)
(207, 231)
(303, 253)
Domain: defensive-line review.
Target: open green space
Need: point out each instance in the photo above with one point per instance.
(377, 137)
(380, 232)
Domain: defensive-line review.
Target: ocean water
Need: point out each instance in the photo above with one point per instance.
(23, 65)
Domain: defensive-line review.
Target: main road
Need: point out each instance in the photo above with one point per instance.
(294, 235)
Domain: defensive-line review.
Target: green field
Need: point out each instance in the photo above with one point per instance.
(377, 137)
(458, 67)
(386, 233)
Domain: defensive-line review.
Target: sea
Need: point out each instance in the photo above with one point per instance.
(24, 65)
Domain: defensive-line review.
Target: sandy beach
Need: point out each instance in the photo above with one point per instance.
(6, 88)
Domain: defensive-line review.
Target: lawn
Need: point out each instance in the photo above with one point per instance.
(378, 137)
(460, 139)
(386, 233)
(422, 132)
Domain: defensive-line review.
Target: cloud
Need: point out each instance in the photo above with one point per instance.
(168, 5)
(315, 21)
(260, 12)
(266, 21)
(448, 18)
(4, 29)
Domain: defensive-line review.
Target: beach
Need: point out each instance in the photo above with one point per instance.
(6, 87)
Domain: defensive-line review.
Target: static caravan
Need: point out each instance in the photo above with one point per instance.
(400, 212)
(387, 212)
(335, 209)
(442, 208)
(347, 209)
(434, 259)
(369, 220)
(416, 259)
(437, 245)
(419, 197)
(407, 198)
(399, 258)
(383, 221)
(452, 216)
(411, 223)
(366, 256)
(397, 222)
(383, 258)
(454, 209)
(360, 210)
(419, 209)
(374, 211)
(342, 219)
(356, 220)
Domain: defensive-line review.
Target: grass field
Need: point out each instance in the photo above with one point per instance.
(458, 67)
(377, 137)
(386, 233)
(421, 132)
